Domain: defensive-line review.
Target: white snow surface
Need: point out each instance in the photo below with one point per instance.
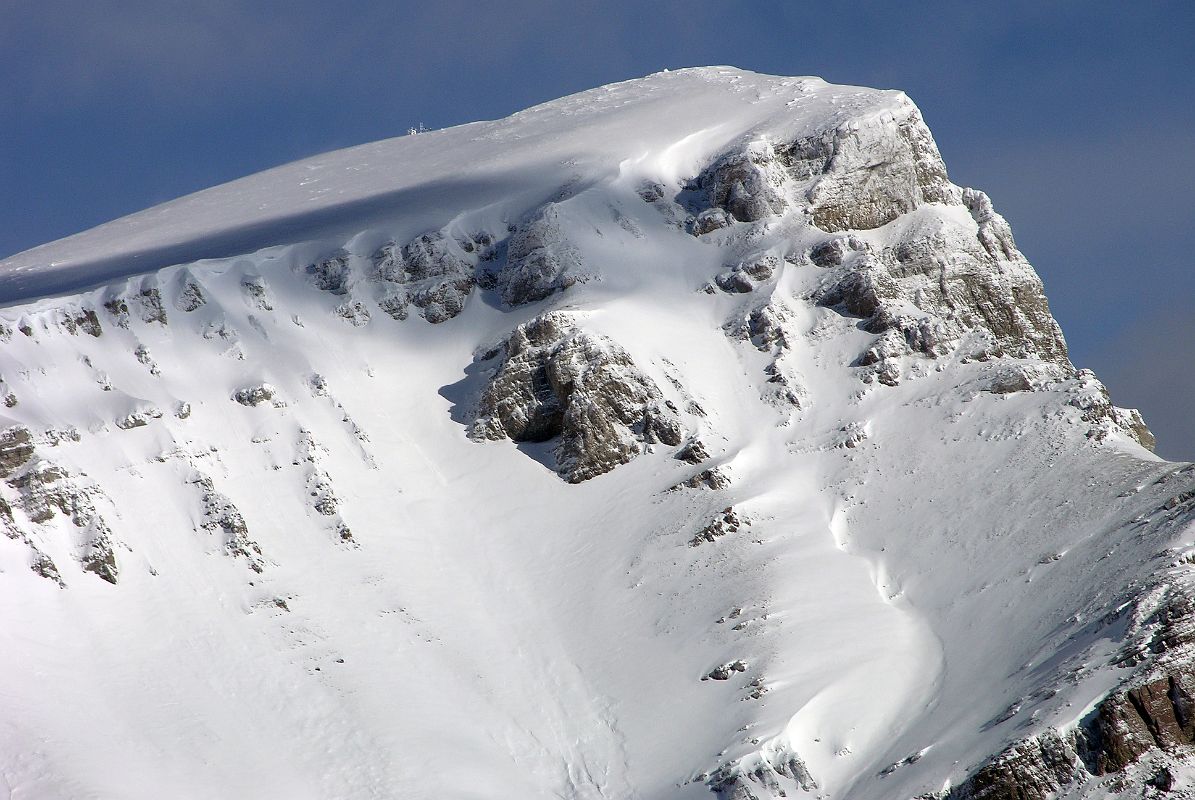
(919, 558)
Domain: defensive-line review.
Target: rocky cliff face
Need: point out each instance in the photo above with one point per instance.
(826, 511)
(938, 282)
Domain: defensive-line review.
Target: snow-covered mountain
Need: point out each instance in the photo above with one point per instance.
(691, 434)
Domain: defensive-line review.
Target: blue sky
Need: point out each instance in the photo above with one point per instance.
(1078, 118)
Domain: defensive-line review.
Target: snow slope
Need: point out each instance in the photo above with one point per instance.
(280, 566)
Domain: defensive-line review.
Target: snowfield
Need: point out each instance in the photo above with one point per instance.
(808, 498)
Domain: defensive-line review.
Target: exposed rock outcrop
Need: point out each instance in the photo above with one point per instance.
(746, 275)
(1092, 399)
(119, 310)
(764, 327)
(863, 176)
(539, 260)
(557, 381)
(1153, 718)
(257, 292)
(16, 449)
(331, 275)
(434, 272)
(1031, 770)
(145, 300)
(256, 395)
(771, 771)
(941, 284)
(138, 419)
(723, 672)
(744, 185)
(221, 515)
(354, 312)
(937, 284)
(713, 478)
(857, 176)
(190, 295)
(323, 497)
(46, 490)
(726, 522)
(82, 320)
(1158, 714)
(148, 302)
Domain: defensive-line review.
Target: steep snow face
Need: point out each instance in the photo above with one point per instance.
(693, 434)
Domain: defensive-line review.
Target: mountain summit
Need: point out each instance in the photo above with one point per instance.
(692, 436)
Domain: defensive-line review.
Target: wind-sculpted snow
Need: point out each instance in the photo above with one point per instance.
(690, 437)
